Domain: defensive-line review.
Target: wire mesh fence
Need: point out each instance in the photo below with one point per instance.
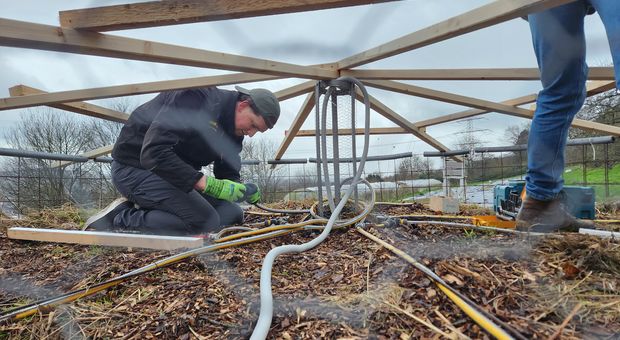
(29, 183)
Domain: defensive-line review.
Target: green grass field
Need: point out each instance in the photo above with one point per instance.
(595, 177)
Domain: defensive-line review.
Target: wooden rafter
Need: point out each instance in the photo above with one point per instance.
(303, 113)
(482, 104)
(481, 17)
(284, 94)
(162, 13)
(399, 120)
(593, 88)
(129, 89)
(595, 73)
(30, 35)
(295, 91)
(77, 107)
(358, 131)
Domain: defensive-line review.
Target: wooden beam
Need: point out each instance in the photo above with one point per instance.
(104, 238)
(129, 89)
(592, 88)
(482, 104)
(596, 73)
(358, 131)
(295, 91)
(284, 94)
(77, 107)
(473, 112)
(397, 119)
(481, 17)
(298, 121)
(30, 35)
(162, 13)
(92, 154)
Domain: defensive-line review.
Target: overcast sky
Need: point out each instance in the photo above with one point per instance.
(307, 38)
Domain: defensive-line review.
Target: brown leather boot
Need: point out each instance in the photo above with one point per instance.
(547, 217)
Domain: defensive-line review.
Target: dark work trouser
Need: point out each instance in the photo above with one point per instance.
(164, 209)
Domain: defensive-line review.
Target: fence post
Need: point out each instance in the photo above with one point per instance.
(428, 176)
(19, 182)
(606, 170)
(585, 165)
(39, 189)
(484, 199)
(395, 181)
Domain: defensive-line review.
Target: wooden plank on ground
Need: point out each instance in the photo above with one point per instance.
(104, 238)
(174, 12)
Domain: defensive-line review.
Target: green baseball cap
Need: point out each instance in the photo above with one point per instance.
(264, 103)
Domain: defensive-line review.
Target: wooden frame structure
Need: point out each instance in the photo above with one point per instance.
(80, 33)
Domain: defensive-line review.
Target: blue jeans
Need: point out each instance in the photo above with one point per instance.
(560, 47)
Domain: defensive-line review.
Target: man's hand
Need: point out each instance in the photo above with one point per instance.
(224, 189)
(252, 193)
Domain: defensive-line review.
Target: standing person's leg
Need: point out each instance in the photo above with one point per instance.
(164, 209)
(559, 44)
(609, 11)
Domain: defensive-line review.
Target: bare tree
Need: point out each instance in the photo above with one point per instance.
(268, 178)
(517, 134)
(413, 168)
(35, 183)
(602, 108)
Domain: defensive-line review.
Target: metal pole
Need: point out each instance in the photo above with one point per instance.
(606, 170)
(335, 150)
(40, 206)
(484, 200)
(317, 121)
(353, 148)
(464, 181)
(584, 173)
(19, 181)
(446, 183)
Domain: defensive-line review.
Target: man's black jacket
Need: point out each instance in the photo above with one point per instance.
(176, 133)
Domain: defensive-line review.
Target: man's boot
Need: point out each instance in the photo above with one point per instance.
(547, 216)
(104, 220)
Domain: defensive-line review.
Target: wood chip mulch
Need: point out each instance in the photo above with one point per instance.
(563, 286)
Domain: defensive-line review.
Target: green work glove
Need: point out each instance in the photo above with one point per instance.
(224, 189)
(252, 193)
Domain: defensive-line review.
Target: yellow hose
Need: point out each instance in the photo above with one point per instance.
(474, 314)
(606, 221)
(269, 229)
(293, 226)
(25, 311)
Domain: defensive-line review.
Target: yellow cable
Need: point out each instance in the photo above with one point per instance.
(268, 229)
(113, 282)
(478, 317)
(436, 216)
(606, 221)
